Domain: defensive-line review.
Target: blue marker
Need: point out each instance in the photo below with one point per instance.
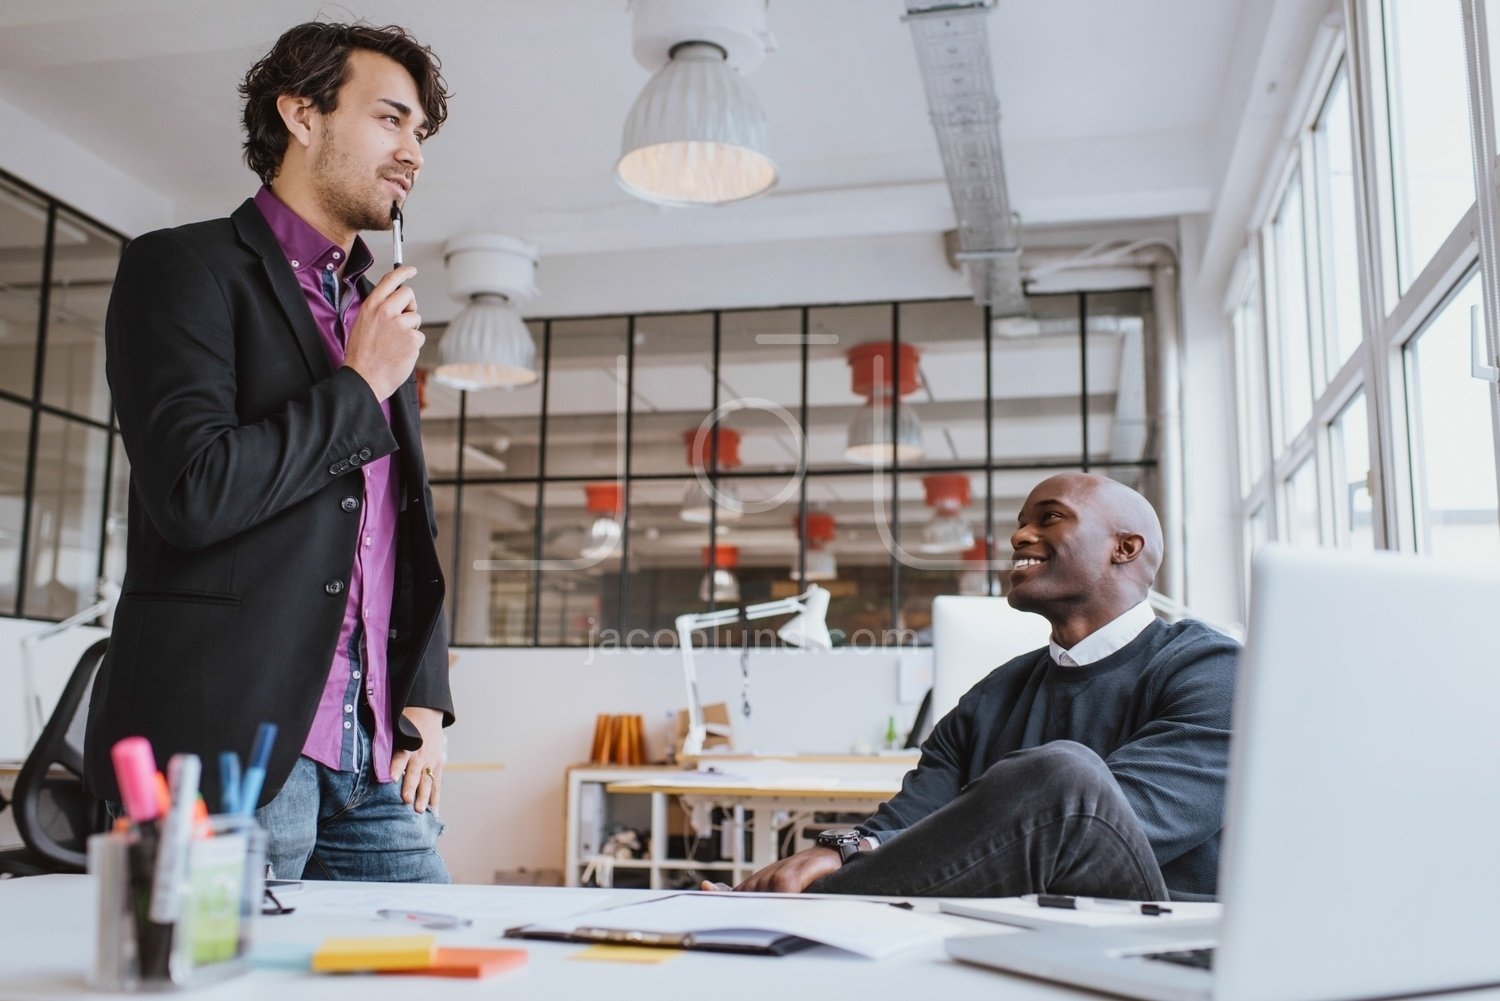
(255, 774)
(229, 782)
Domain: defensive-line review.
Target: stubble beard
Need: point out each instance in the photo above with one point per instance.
(342, 193)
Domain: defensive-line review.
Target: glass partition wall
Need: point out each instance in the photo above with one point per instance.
(671, 463)
(661, 464)
(62, 474)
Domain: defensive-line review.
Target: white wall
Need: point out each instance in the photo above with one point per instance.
(1210, 505)
(53, 163)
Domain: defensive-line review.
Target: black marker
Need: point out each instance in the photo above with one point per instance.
(1097, 904)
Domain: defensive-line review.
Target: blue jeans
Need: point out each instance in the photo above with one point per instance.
(327, 824)
(1049, 819)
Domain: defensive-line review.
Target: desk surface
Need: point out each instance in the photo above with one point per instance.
(46, 948)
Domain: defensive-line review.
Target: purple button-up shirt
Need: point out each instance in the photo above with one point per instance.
(315, 259)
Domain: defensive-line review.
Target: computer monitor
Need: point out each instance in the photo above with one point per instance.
(970, 638)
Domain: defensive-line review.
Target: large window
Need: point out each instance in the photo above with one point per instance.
(1452, 453)
(62, 475)
(1395, 446)
(668, 463)
(1431, 171)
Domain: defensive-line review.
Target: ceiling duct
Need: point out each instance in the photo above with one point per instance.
(953, 52)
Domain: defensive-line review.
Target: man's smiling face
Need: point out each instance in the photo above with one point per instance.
(1063, 547)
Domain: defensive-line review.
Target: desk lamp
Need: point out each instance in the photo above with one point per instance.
(807, 630)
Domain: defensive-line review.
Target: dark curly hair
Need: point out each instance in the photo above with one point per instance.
(312, 60)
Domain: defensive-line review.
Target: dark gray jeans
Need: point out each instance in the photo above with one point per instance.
(1048, 819)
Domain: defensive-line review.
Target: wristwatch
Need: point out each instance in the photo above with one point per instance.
(844, 840)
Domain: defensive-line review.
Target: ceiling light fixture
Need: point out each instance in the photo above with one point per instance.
(947, 532)
(697, 134)
(487, 345)
(977, 576)
(697, 506)
(820, 563)
(719, 584)
(604, 501)
(871, 371)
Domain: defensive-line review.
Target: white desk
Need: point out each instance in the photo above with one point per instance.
(46, 948)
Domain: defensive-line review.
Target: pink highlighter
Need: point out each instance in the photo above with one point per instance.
(135, 773)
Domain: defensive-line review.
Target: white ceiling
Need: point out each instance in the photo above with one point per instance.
(1109, 111)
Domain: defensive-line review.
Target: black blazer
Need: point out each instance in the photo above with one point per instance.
(245, 500)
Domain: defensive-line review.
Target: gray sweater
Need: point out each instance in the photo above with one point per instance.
(1157, 711)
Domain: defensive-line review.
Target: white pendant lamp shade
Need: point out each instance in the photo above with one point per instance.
(870, 434)
(487, 345)
(821, 565)
(724, 589)
(720, 585)
(698, 508)
(947, 532)
(977, 576)
(697, 134)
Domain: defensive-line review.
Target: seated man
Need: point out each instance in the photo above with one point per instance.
(1093, 767)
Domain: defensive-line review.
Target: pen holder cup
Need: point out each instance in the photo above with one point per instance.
(218, 898)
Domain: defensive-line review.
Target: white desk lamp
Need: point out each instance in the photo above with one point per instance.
(807, 630)
(104, 608)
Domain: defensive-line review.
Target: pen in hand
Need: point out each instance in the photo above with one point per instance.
(396, 236)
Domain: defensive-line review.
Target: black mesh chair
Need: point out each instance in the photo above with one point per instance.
(51, 809)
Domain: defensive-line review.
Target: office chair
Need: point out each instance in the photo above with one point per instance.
(54, 813)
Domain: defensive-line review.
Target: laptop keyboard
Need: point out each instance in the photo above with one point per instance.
(1198, 959)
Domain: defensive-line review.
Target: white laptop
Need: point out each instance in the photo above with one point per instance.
(1361, 855)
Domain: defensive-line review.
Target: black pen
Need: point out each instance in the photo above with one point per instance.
(1065, 903)
(396, 223)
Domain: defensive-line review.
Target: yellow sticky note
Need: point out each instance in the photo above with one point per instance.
(625, 954)
(390, 952)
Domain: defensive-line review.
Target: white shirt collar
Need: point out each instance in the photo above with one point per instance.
(1108, 638)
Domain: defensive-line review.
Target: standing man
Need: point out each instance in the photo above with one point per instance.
(280, 562)
(1094, 766)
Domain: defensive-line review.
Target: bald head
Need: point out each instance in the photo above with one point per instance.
(1087, 547)
(1126, 513)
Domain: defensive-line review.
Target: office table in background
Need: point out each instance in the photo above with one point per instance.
(751, 789)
